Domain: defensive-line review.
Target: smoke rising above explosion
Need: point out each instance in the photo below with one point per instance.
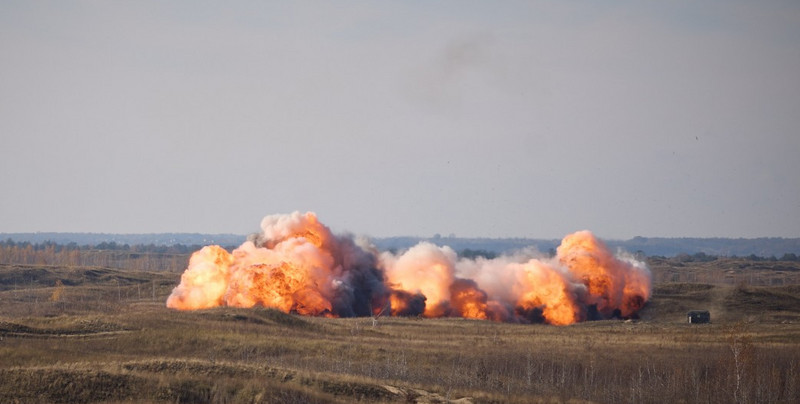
(297, 265)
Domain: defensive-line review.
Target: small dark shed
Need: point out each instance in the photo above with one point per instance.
(699, 317)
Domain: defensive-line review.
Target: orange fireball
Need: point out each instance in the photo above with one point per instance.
(296, 265)
(613, 285)
(204, 282)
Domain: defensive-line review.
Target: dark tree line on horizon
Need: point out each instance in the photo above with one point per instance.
(24, 252)
(107, 254)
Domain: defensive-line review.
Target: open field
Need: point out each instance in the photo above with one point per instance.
(93, 334)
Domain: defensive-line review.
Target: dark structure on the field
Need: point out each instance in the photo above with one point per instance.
(699, 317)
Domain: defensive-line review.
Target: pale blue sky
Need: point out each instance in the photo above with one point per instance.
(483, 119)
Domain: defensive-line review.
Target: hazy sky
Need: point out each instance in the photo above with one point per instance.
(491, 119)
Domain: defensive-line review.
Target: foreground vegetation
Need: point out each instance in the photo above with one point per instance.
(93, 334)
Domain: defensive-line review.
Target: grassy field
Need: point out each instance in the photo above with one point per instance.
(90, 334)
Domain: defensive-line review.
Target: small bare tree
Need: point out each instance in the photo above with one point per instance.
(742, 355)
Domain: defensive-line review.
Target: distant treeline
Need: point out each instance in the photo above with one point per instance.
(766, 247)
(703, 257)
(174, 257)
(110, 255)
(158, 239)
(112, 246)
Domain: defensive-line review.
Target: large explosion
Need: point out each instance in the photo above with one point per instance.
(298, 266)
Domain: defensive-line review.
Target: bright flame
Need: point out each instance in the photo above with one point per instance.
(297, 265)
(545, 291)
(293, 276)
(612, 284)
(468, 300)
(204, 282)
(425, 269)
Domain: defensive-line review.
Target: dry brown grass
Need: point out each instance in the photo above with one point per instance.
(103, 340)
(726, 271)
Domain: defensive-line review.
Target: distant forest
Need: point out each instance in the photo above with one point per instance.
(767, 247)
(156, 239)
(185, 243)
